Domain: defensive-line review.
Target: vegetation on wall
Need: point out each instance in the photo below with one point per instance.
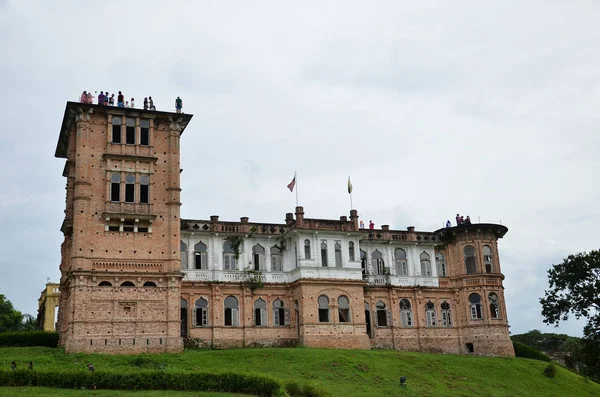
(236, 243)
(253, 279)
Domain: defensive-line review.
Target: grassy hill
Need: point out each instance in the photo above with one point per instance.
(342, 372)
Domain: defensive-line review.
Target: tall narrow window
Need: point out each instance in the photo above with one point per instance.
(351, 255)
(306, 249)
(130, 132)
(201, 312)
(115, 187)
(487, 259)
(338, 254)
(281, 315)
(406, 313)
(324, 253)
(446, 314)
(116, 130)
(430, 314)
(382, 314)
(129, 188)
(258, 257)
(260, 313)
(184, 254)
(368, 319)
(200, 258)
(276, 260)
(475, 302)
(323, 309)
(401, 262)
(229, 262)
(144, 189)
(378, 264)
(144, 132)
(231, 312)
(494, 307)
(344, 309)
(363, 261)
(440, 263)
(425, 264)
(470, 263)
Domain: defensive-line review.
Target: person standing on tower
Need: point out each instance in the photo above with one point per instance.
(120, 100)
(145, 103)
(151, 103)
(178, 104)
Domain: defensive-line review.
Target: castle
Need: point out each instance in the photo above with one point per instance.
(137, 278)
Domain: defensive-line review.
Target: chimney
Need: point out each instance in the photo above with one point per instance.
(289, 218)
(385, 228)
(244, 219)
(344, 218)
(214, 218)
(354, 219)
(411, 229)
(299, 216)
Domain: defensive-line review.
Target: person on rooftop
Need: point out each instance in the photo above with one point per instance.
(120, 100)
(105, 98)
(90, 97)
(111, 100)
(145, 103)
(371, 225)
(458, 221)
(101, 98)
(83, 97)
(126, 104)
(448, 224)
(178, 105)
(468, 220)
(151, 103)
(131, 104)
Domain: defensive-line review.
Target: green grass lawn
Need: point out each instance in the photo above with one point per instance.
(49, 392)
(342, 372)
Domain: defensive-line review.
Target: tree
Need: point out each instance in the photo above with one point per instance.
(575, 289)
(10, 319)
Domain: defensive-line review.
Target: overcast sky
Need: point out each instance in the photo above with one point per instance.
(484, 108)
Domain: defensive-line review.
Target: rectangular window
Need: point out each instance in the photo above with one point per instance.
(115, 191)
(128, 226)
(406, 317)
(344, 315)
(382, 318)
(116, 133)
(144, 194)
(200, 260)
(323, 315)
(324, 257)
(276, 263)
(446, 318)
(430, 318)
(113, 228)
(142, 229)
(144, 135)
(129, 192)
(229, 262)
(130, 135)
(231, 317)
(201, 317)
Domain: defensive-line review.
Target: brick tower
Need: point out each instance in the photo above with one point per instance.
(120, 273)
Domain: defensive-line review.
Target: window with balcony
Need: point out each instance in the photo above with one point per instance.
(430, 314)
(440, 262)
(229, 262)
(306, 249)
(401, 262)
(338, 254)
(406, 313)
(231, 318)
(129, 188)
(475, 303)
(446, 314)
(494, 306)
(323, 309)
(378, 263)
(324, 253)
(130, 132)
(144, 132)
(260, 313)
(351, 255)
(470, 263)
(425, 264)
(184, 254)
(116, 130)
(487, 259)
(201, 312)
(200, 256)
(363, 261)
(281, 316)
(276, 260)
(343, 309)
(258, 257)
(144, 189)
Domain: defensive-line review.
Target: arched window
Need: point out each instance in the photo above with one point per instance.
(201, 312)
(116, 130)
(323, 309)
(231, 311)
(184, 255)
(343, 309)
(307, 249)
(430, 314)
(382, 315)
(130, 188)
(401, 262)
(276, 260)
(338, 254)
(351, 255)
(105, 284)
(406, 313)
(446, 314)
(183, 303)
(440, 262)
(144, 189)
(363, 261)
(487, 259)
(229, 262)
(324, 253)
(127, 284)
(115, 187)
(494, 307)
(281, 315)
(144, 132)
(475, 302)
(130, 132)
(149, 284)
(378, 264)
(258, 257)
(470, 263)
(425, 264)
(260, 313)
(200, 256)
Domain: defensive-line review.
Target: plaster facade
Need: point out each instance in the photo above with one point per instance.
(137, 278)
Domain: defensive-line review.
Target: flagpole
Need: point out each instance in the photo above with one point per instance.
(296, 178)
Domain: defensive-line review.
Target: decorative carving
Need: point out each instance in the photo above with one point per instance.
(176, 125)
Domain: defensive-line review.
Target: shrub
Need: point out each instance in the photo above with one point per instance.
(525, 351)
(145, 380)
(550, 370)
(28, 338)
(293, 389)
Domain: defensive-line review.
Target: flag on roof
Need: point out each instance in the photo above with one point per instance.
(349, 185)
(292, 184)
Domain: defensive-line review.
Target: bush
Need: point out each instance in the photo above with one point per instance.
(550, 370)
(525, 351)
(146, 380)
(293, 389)
(28, 338)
